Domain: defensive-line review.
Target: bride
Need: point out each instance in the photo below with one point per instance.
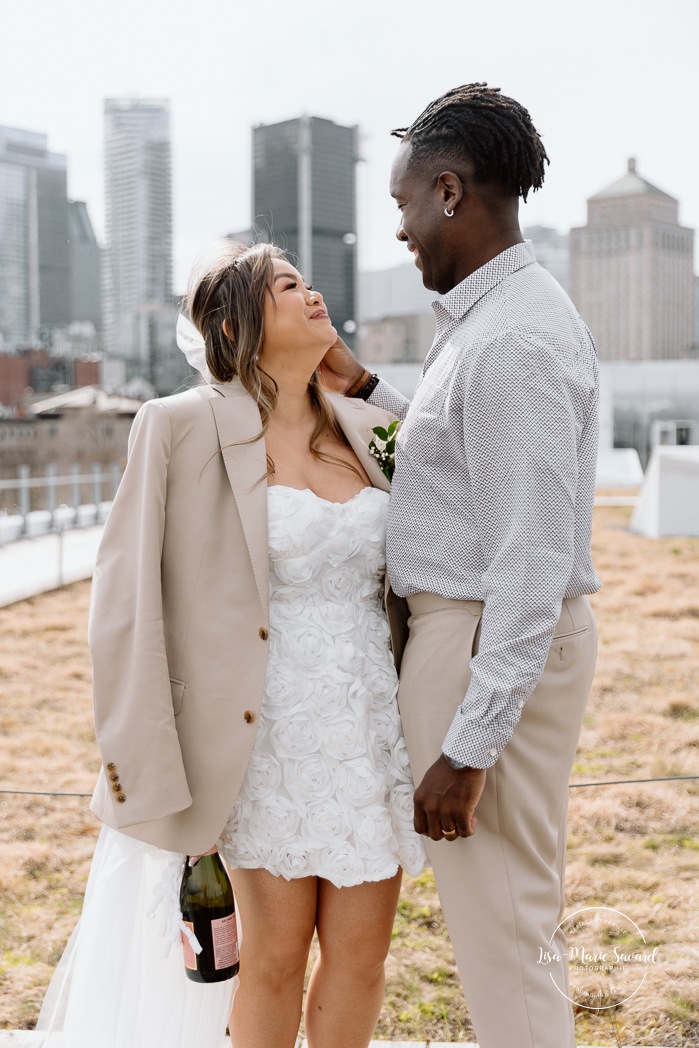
(244, 692)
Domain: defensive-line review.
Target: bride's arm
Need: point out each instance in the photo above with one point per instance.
(134, 715)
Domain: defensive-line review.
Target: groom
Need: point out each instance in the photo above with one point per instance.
(489, 541)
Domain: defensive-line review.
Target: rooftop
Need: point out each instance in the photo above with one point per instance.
(631, 184)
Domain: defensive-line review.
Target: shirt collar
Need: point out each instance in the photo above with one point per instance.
(464, 296)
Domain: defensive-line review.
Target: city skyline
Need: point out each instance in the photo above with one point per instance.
(601, 85)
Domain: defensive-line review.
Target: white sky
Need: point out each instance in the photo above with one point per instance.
(603, 79)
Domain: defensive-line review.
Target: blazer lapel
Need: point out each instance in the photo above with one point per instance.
(357, 419)
(237, 421)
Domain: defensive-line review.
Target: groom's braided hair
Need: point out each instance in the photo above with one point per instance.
(476, 123)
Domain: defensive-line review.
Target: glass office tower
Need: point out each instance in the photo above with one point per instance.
(138, 173)
(34, 260)
(304, 199)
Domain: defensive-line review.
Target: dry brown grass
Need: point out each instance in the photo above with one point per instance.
(631, 847)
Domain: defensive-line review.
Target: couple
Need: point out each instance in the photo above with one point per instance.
(245, 690)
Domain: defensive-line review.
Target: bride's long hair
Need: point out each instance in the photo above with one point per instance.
(228, 285)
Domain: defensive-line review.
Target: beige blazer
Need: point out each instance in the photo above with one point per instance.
(180, 613)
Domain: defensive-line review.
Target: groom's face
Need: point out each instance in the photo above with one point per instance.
(423, 227)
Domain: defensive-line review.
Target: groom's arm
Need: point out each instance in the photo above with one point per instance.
(341, 372)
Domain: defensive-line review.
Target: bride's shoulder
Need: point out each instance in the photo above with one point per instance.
(359, 409)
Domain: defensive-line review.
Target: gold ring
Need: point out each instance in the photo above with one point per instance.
(450, 833)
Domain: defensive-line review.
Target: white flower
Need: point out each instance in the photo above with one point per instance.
(341, 865)
(330, 697)
(295, 736)
(412, 855)
(309, 779)
(345, 738)
(326, 823)
(339, 619)
(402, 805)
(385, 727)
(359, 781)
(400, 763)
(373, 827)
(262, 776)
(383, 447)
(380, 866)
(339, 584)
(303, 642)
(377, 628)
(287, 532)
(243, 850)
(293, 861)
(348, 658)
(283, 688)
(311, 642)
(295, 571)
(275, 820)
(345, 545)
(381, 680)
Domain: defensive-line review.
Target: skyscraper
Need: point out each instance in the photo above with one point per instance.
(304, 199)
(138, 172)
(631, 272)
(34, 261)
(85, 266)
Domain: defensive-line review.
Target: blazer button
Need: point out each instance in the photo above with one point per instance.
(263, 633)
(121, 798)
(111, 767)
(249, 716)
(114, 776)
(117, 787)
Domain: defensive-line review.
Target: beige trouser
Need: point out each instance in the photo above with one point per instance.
(501, 890)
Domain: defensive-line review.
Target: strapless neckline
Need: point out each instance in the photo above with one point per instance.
(329, 502)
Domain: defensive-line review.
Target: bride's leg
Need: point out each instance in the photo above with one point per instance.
(346, 989)
(277, 919)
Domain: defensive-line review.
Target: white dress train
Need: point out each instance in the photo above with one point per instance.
(121, 981)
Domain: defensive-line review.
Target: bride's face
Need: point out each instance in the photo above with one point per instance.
(298, 330)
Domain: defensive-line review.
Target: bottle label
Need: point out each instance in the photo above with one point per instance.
(224, 934)
(190, 957)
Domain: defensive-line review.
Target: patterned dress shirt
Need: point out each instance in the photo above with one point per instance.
(494, 482)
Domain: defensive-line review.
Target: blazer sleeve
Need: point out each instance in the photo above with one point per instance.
(134, 714)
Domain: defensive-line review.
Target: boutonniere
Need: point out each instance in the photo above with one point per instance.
(383, 447)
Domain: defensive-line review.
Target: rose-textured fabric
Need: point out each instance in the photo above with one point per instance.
(493, 488)
(328, 790)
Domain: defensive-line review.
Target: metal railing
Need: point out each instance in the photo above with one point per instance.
(31, 506)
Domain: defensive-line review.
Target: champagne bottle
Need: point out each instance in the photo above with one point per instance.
(208, 908)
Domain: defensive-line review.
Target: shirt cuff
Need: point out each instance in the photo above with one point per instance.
(386, 397)
(459, 765)
(468, 745)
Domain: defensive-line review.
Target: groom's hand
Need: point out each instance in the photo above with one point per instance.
(446, 800)
(339, 370)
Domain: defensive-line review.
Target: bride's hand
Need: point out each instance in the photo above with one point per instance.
(192, 860)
